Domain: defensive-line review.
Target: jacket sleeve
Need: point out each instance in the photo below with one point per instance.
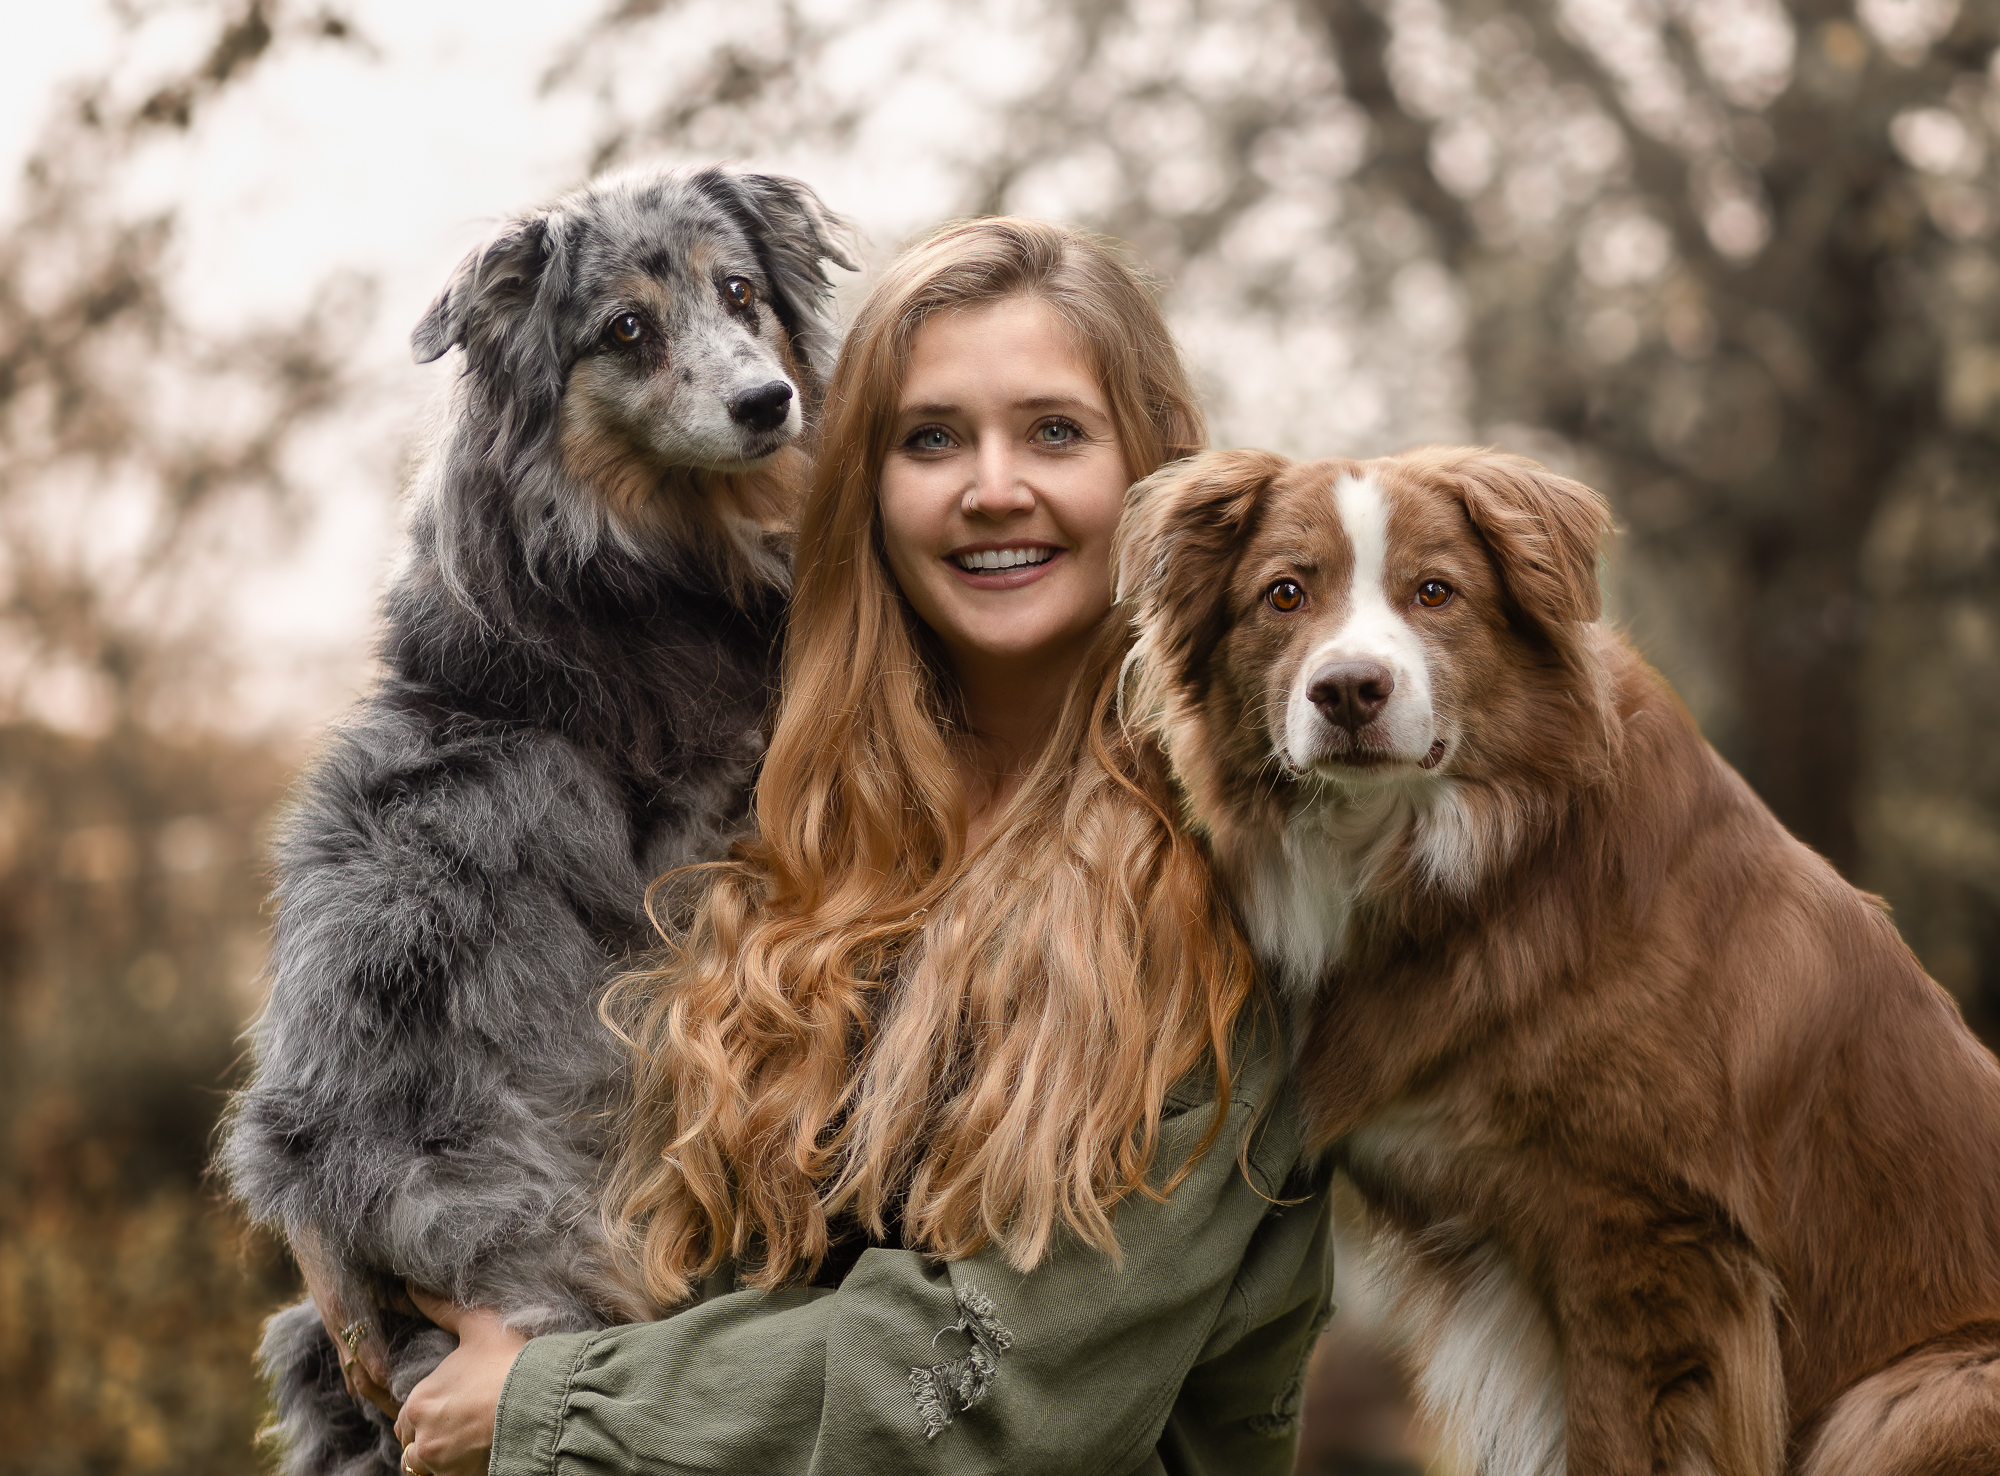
(918, 1365)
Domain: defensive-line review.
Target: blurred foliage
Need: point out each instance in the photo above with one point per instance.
(131, 936)
(125, 1330)
(135, 448)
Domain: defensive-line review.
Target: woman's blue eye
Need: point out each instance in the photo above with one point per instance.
(1058, 433)
(929, 438)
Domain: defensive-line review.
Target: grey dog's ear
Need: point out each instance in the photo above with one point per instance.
(793, 233)
(497, 280)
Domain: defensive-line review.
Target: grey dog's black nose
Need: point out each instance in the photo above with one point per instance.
(1350, 693)
(763, 408)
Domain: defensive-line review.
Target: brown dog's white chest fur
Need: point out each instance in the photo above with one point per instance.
(1488, 1366)
(1674, 1159)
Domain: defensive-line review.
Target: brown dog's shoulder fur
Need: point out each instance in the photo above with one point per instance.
(1626, 1073)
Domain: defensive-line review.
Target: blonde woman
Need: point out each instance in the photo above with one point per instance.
(955, 1132)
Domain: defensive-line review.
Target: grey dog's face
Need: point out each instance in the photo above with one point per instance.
(683, 358)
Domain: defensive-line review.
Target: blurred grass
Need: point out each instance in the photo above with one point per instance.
(131, 937)
(126, 1332)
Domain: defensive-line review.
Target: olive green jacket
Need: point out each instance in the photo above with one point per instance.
(1187, 1357)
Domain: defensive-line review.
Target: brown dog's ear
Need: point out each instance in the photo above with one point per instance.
(1182, 526)
(1171, 561)
(1545, 530)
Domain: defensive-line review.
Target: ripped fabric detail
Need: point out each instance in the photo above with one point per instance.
(944, 1389)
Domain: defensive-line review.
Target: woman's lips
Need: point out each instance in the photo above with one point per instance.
(1010, 578)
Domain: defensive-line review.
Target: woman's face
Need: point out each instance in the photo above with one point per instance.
(1002, 488)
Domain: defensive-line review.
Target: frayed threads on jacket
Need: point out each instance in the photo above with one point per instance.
(944, 1389)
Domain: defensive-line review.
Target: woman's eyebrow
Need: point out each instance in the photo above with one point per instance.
(1038, 402)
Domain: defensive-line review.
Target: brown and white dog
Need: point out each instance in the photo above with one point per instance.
(1675, 1159)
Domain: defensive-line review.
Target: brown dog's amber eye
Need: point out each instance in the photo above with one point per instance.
(628, 328)
(1285, 596)
(1432, 593)
(739, 292)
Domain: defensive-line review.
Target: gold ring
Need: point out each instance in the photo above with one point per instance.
(351, 1336)
(408, 1469)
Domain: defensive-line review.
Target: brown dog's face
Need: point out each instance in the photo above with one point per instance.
(1368, 625)
(1357, 625)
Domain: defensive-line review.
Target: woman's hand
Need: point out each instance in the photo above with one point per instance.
(447, 1423)
(364, 1356)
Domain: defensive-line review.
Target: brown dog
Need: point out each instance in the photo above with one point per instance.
(1676, 1160)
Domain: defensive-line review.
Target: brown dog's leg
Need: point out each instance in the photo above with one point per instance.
(1933, 1412)
(1670, 1350)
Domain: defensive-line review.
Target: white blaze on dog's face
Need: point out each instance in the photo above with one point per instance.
(1359, 703)
(1359, 597)
(1372, 626)
(1351, 666)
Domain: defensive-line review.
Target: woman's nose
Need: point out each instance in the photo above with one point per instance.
(999, 482)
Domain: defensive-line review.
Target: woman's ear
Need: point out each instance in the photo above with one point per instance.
(1177, 542)
(1546, 532)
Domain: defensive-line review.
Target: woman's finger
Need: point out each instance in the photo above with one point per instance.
(446, 1427)
(442, 1310)
(364, 1385)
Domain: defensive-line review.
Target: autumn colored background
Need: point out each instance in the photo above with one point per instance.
(1732, 261)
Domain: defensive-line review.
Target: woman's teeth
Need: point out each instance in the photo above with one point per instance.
(1002, 558)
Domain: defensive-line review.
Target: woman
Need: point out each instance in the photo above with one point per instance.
(950, 1118)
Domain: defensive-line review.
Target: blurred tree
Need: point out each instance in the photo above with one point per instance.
(1729, 260)
(138, 455)
(134, 446)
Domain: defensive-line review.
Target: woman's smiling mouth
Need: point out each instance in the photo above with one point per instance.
(1002, 560)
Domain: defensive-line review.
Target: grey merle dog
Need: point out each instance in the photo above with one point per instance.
(580, 643)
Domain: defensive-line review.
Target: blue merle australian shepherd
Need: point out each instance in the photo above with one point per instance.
(580, 643)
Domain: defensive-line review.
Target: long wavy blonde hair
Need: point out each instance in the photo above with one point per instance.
(854, 1018)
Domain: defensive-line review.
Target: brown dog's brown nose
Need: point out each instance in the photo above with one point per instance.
(1350, 693)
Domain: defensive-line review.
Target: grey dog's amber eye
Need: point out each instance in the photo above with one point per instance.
(1285, 596)
(627, 328)
(1433, 593)
(739, 292)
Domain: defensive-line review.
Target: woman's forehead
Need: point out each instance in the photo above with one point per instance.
(1019, 349)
